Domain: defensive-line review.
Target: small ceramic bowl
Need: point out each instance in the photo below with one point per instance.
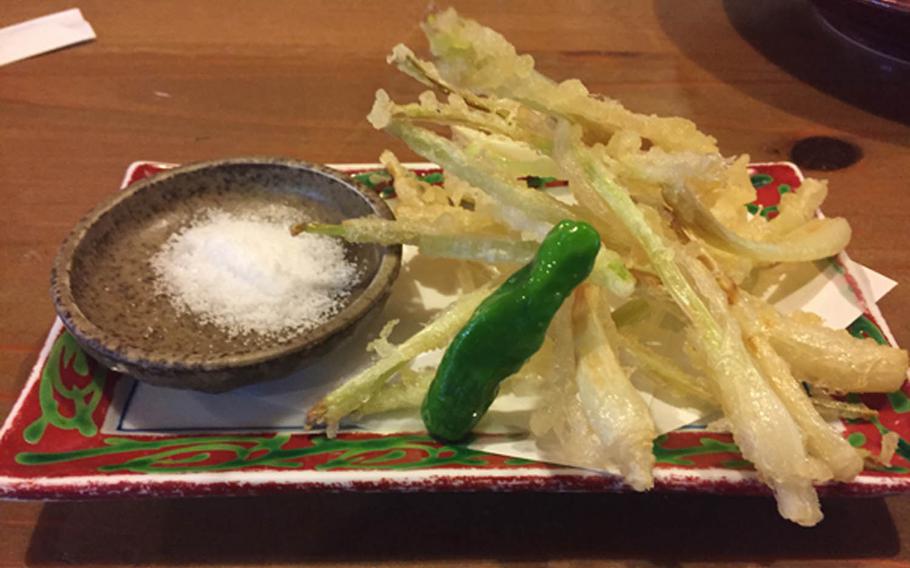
(102, 282)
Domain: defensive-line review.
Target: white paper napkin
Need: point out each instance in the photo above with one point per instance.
(40, 35)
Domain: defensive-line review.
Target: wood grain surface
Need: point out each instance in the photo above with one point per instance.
(180, 81)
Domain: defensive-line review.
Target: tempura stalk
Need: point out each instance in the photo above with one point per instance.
(761, 425)
(477, 58)
(667, 371)
(813, 240)
(822, 441)
(354, 393)
(465, 246)
(614, 409)
(667, 204)
(524, 208)
(833, 359)
(405, 393)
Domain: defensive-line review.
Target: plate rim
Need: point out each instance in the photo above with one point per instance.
(265, 481)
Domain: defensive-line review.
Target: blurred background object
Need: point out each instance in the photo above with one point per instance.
(882, 26)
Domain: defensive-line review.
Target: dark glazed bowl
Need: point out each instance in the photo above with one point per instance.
(882, 26)
(102, 280)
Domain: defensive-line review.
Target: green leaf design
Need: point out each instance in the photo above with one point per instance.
(676, 456)
(373, 179)
(760, 180)
(67, 353)
(737, 464)
(433, 178)
(899, 402)
(857, 439)
(768, 210)
(537, 182)
(864, 327)
(223, 453)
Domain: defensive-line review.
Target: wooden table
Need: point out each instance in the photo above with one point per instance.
(181, 81)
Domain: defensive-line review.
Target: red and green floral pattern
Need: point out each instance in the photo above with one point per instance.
(769, 188)
(56, 430)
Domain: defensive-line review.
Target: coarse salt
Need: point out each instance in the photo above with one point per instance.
(245, 273)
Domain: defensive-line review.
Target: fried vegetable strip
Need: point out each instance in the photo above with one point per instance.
(410, 190)
(407, 392)
(475, 57)
(524, 209)
(890, 442)
(613, 407)
(764, 430)
(832, 359)
(510, 156)
(354, 393)
(659, 167)
(796, 208)
(673, 377)
(814, 240)
(830, 409)
(652, 167)
(527, 209)
(471, 58)
(823, 442)
(464, 246)
(560, 424)
(525, 125)
(515, 198)
(671, 374)
(762, 426)
(425, 72)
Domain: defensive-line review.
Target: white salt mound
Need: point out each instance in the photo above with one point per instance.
(246, 273)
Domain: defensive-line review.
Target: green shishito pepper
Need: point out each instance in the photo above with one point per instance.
(506, 329)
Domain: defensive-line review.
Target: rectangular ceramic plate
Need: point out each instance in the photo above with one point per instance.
(53, 446)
